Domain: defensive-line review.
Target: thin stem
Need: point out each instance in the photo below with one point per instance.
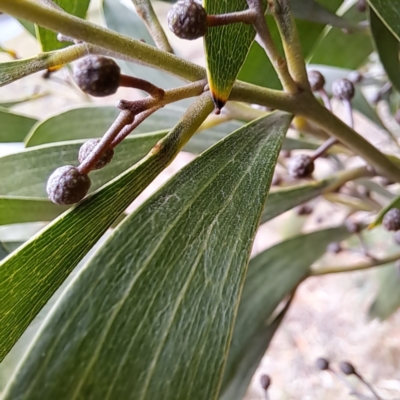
(170, 96)
(357, 267)
(324, 148)
(127, 129)
(348, 175)
(280, 9)
(146, 12)
(325, 98)
(124, 118)
(320, 115)
(246, 16)
(267, 43)
(146, 86)
(368, 385)
(349, 113)
(352, 202)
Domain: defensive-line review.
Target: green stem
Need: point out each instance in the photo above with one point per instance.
(146, 12)
(78, 28)
(313, 110)
(356, 267)
(346, 176)
(291, 42)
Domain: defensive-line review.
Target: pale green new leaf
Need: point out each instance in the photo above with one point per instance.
(272, 275)
(152, 313)
(47, 38)
(389, 12)
(14, 127)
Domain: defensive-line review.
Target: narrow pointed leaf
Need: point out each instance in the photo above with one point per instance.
(14, 210)
(395, 203)
(13, 126)
(272, 275)
(31, 275)
(152, 313)
(226, 49)
(387, 47)
(345, 50)
(388, 11)
(47, 38)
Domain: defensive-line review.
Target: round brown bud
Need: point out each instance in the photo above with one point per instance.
(88, 147)
(391, 220)
(265, 381)
(343, 89)
(322, 364)
(98, 76)
(347, 368)
(67, 185)
(301, 166)
(187, 19)
(316, 79)
(334, 247)
(352, 226)
(361, 5)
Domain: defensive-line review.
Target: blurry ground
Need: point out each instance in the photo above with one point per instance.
(328, 315)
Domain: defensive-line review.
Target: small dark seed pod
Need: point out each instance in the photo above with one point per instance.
(334, 247)
(352, 226)
(391, 220)
(361, 5)
(316, 79)
(304, 209)
(265, 381)
(98, 76)
(301, 166)
(322, 364)
(347, 368)
(187, 19)
(88, 147)
(343, 89)
(67, 185)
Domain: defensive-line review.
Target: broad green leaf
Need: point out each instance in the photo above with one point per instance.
(26, 173)
(388, 11)
(387, 300)
(162, 305)
(124, 20)
(47, 38)
(226, 49)
(29, 27)
(30, 276)
(395, 203)
(14, 127)
(272, 275)
(14, 210)
(387, 47)
(344, 50)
